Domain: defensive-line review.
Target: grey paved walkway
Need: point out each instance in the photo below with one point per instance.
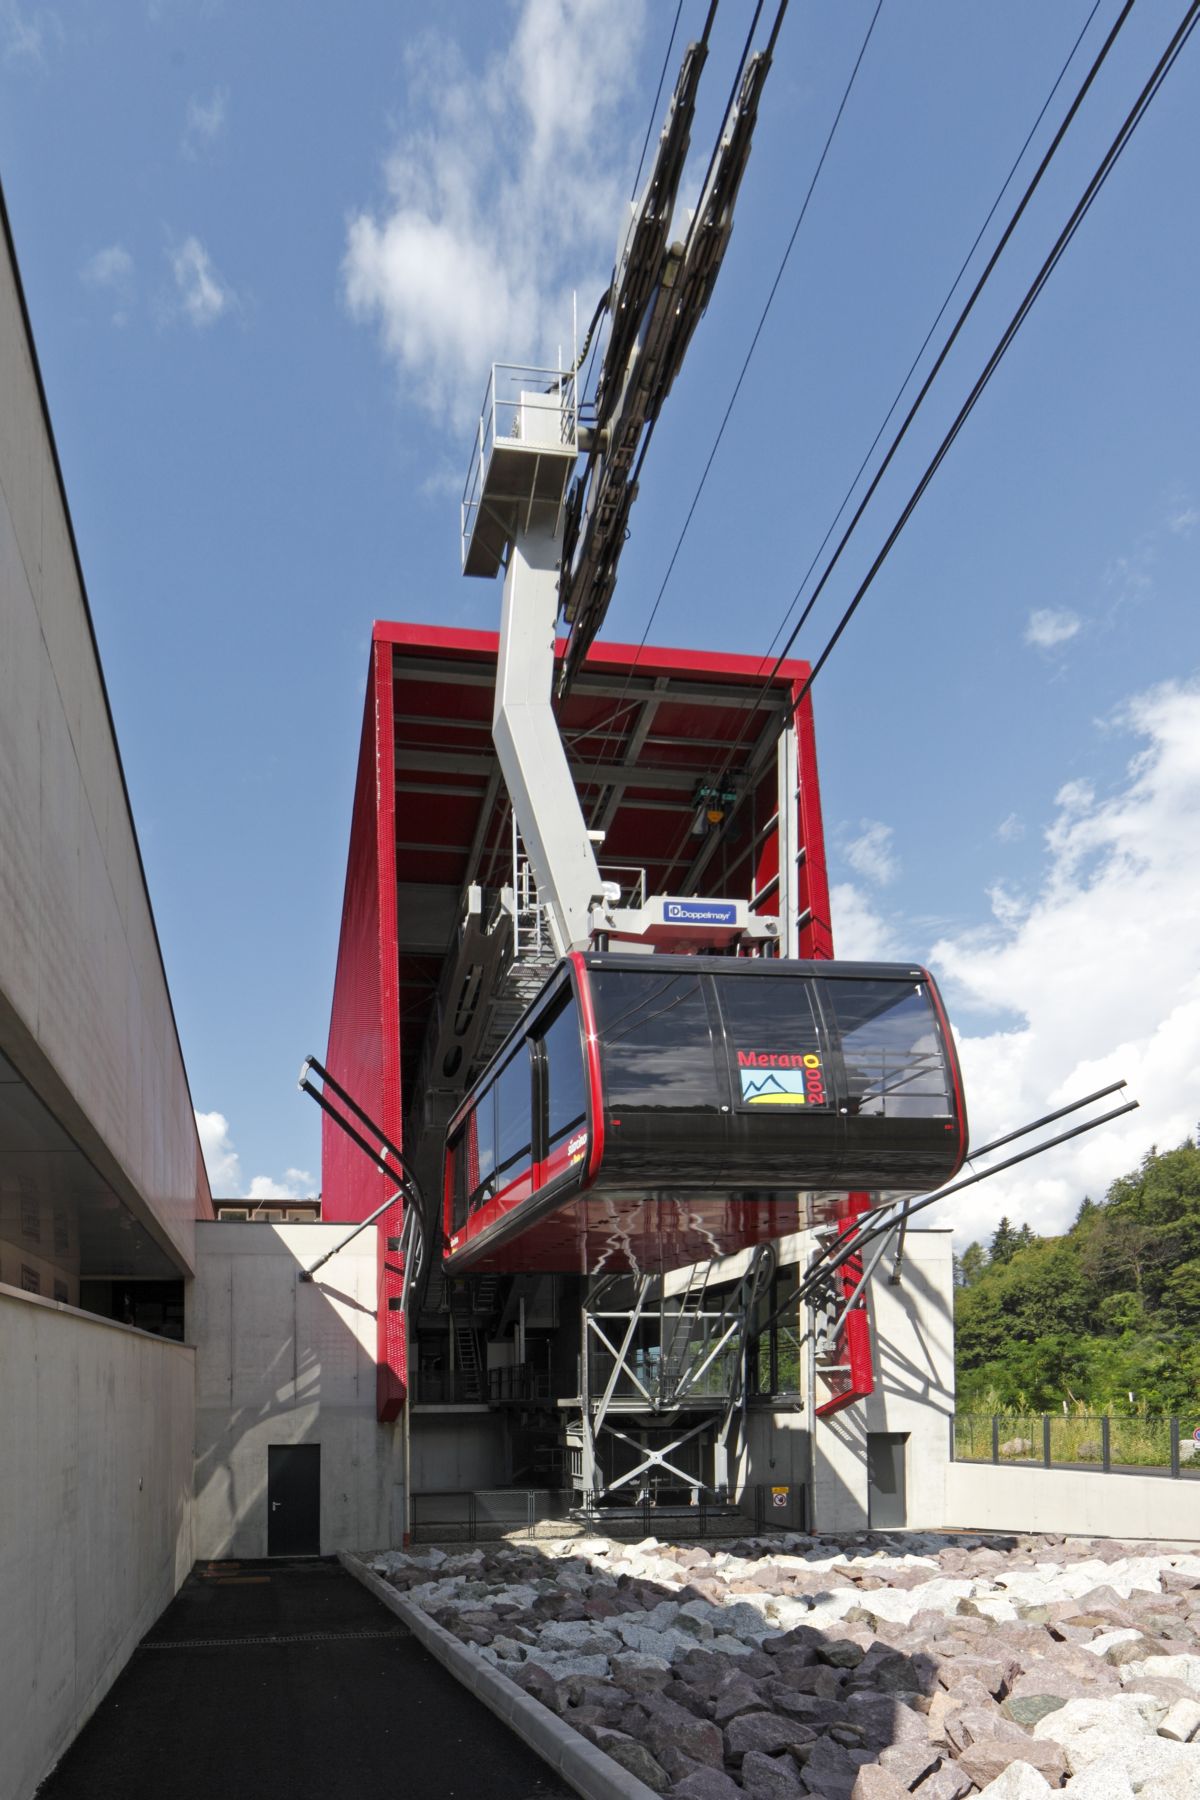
(277, 1681)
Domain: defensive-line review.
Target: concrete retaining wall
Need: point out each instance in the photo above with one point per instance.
(281, 1361)
(987, 1497)
(95, 1515)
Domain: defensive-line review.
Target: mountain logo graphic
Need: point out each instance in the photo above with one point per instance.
(776, 1088)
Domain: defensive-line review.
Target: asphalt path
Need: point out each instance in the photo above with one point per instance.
(281, 1680)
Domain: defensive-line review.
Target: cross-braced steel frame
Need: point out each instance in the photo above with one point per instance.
(676, 1366)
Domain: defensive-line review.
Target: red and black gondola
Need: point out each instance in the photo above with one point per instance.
(651, 1111)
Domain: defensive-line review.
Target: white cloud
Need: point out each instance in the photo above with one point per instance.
(870, 854)
(443, 482)
(220, 1157)
(503, 200)
(204, 123)
(1092, 977)
(225, 1168)
(1048, 627)
(297, 1184)
(110, 271)
(203, 296)
(860, 934)
(25, 33)
(1012, 829)
(111, 267)
(1184, 521)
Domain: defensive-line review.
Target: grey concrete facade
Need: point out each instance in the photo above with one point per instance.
(101, 1174)
(95, 1515)
(281, 1361)
(912, 1326)
(85, 1015)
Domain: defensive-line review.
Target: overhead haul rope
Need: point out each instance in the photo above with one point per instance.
(620, 709)
(897, 440)
(606, 297)
(1082, 208)
(662, 76)
(1078, 214)
(950, 293)
(758, 329)
(1004, 186)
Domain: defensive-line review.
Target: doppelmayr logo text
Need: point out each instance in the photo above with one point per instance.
(712, 912)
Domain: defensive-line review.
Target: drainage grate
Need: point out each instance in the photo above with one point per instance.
(290, 1637)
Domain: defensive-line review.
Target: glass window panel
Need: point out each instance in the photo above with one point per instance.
(656, 1042)
(514, 1117)
(892, 1049)
(566, 1076)
(774, 1044)
(478, 1144)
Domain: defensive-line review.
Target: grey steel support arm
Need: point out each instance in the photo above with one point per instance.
(530, 749)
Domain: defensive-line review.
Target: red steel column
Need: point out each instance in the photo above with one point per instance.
(391, 1376)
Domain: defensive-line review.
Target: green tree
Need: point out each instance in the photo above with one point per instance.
(971, 1264)
(1109, 1309)
(1005, 1242)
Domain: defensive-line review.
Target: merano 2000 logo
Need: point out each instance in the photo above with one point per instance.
(781, 1078)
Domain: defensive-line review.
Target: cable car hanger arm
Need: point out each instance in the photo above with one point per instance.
(844, 1248)
(386, 1146)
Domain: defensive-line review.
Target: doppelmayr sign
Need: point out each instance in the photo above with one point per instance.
(700, 912)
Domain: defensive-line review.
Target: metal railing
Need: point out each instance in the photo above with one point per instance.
(525, 408)
(455, 1516)
(630, 878)
(448, 1516)
(519, 1384)
(458, 1387)
(692, 1365)
(1108, 1444)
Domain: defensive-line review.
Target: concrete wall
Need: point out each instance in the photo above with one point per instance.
(95, 1515)
(84, 1010)
(281, 1361)
(983, 1497)
(453, 1451)
(912, 1326)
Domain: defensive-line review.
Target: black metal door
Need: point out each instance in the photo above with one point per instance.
(887, 1455)
(293, 1499)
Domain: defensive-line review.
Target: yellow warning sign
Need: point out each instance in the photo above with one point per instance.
(779, 1496)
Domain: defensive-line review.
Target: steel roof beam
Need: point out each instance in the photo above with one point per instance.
(680, 691)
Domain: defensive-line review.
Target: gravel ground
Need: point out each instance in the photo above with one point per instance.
(858, 1668)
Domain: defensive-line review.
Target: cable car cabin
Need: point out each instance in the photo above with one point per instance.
(651, 1111)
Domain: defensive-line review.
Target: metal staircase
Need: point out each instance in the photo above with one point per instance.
(531, 960)
(467, 1363)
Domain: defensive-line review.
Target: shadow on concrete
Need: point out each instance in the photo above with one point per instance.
(287, 1679)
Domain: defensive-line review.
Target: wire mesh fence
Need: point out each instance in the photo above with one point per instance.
(1107, 1443)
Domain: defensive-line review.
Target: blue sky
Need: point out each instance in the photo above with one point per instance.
(269, 252)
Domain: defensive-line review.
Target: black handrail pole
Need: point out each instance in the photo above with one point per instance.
(1113, 1087)
(842, 1248)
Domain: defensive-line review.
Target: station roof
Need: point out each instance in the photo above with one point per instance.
(644, 729)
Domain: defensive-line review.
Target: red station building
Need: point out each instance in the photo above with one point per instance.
(646, 731)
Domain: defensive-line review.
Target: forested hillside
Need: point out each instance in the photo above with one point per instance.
(1108, 1311)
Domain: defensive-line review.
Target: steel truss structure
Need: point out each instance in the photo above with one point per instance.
(676, 1365)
